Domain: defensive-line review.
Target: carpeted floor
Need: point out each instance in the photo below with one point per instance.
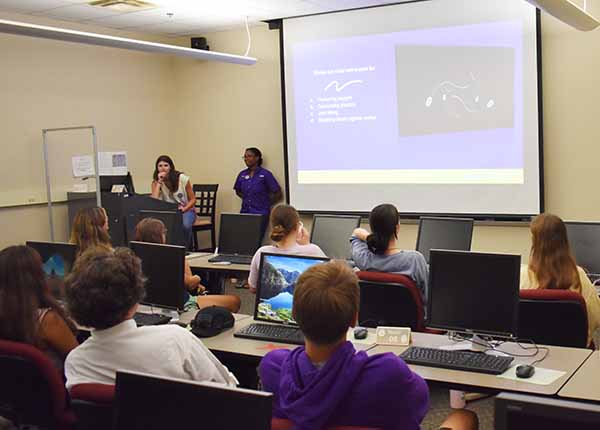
(439, 396)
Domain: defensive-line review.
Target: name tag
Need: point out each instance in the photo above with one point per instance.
(395, 336)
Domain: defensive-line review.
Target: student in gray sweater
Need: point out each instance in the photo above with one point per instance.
(378, 251)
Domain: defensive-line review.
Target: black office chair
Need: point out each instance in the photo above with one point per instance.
(553, 317)
(206, 203)
(389, 300)
(93, 406)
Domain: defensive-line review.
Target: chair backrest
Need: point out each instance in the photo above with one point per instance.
(553, 317)
(285, 424)
(206, 200)
(32, 390)
(93, 405)
(390, 299)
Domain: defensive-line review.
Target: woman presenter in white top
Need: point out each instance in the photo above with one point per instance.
(173, 186)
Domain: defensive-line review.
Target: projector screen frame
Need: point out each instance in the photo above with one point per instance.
(278, 24)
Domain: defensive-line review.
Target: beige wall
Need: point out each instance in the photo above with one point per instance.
(127, 95)
(219, 109)
(223, 108)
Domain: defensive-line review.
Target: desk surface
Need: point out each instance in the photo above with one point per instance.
(227, 343)
(584, 384)
(187, 316)
(564, 359)
(200, 261)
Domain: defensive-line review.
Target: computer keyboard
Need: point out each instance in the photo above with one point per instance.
(457, 360)
(275, 333)
(142, 319)
(234, 259)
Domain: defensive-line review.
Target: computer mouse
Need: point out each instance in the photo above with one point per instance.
(525, 371)
(360, 333)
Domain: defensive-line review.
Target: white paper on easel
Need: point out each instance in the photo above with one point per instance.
(112, 163)
(83, 166)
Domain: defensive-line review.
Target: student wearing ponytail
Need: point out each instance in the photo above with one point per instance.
(289, 237)
(378, 251)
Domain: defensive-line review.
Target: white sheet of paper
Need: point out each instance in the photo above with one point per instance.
(83, 166)
(541, 376)
(112, 163)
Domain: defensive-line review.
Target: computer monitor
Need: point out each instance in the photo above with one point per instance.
(524, 412)
(163, 267)
(444, 233)
(148, 402)
(332, 234)
(474, 292)
(278, 274)
(57, 258)
(107, 182)
(173, 223)
(240, 233)
(584, 238)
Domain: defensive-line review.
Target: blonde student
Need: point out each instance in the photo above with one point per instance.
(552, 266)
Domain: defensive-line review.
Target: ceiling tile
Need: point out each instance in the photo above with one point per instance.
(30, 5)
(133, 19)
(189, 16)
(81, 12)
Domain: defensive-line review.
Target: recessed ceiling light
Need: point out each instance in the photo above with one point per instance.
(123, 5)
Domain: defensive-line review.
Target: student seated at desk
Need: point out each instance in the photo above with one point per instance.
(103, 291)
(378, 251)
(28, 312)
(90, 229)
(153, 230)
(289, 237)
(327, 382)
(552, 266)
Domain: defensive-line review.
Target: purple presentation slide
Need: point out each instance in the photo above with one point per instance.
(438, 98)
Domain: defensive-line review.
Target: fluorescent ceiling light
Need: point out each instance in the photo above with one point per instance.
(25, 29)
(567, 12)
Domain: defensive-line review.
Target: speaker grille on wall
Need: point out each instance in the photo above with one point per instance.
(200, 43)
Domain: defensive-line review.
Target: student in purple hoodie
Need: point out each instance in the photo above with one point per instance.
(327, 382)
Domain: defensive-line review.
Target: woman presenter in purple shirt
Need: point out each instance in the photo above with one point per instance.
(257, 187)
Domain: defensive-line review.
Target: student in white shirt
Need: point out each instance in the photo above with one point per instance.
(289, 237)
(102, 292)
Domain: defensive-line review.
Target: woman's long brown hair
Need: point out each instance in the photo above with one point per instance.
(88, 229)
(551, 260)
(23, 292)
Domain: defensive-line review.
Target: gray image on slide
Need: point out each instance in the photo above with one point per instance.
(444, 89)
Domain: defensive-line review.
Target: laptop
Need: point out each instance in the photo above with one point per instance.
(332, 234)
(240, 235)
(277, 278)
(163, 267)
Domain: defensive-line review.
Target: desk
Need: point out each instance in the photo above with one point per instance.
(201, 262)
(188, 316)
(564, 359)
(256, 349)
(584, 384)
